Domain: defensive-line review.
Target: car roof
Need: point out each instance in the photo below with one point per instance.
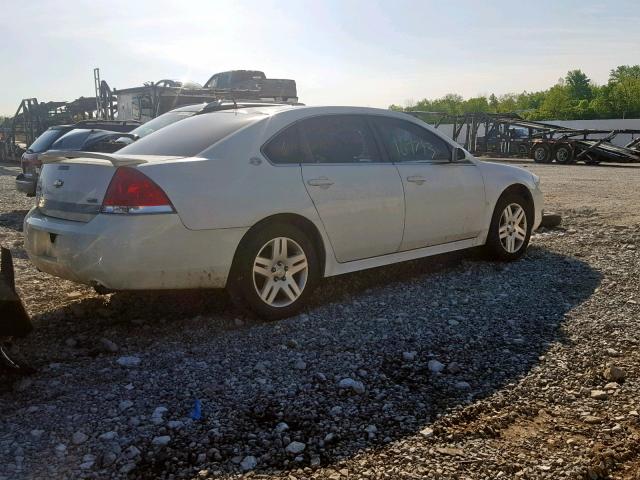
(292, 113)
(195, 107)
(92, 131)
(307, 110)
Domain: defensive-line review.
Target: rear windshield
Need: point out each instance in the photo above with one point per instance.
(44, 141)
(192, 135)
(74, 140)
(160, 122)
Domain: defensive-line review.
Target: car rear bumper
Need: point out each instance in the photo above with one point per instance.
(144, 252)
(26, 184)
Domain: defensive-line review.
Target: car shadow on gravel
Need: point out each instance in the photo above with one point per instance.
(416, 340)
(13, 219)
(8, 171)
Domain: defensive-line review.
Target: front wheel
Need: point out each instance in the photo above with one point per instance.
(510, 228)
(274, 272)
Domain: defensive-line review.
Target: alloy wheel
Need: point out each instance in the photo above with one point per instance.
(513, 228)
(280, 272)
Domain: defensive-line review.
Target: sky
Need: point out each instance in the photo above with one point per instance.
(367, 53)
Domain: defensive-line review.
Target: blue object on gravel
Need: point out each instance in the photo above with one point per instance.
(196, 413)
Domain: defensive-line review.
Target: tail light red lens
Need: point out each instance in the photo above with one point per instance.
(29, 163)
(131, 191)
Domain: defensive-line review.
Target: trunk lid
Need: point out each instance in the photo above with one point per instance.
(72, 185)
(73, 190)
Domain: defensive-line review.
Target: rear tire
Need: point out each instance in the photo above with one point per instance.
(564, 154)
(510, 229)
(275, 270)
(541, 153)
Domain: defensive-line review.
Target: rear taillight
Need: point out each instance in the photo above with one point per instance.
(30, 163)
(130, 191)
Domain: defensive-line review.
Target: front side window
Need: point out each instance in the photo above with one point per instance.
(408, 142)
(284, 148)
(339, 139)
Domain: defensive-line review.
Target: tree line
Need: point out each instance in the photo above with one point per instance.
(574, 97)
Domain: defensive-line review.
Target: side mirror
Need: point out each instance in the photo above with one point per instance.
(458, 154)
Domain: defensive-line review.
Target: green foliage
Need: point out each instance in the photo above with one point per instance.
(624, 94)
(624, 71)
(573, 97)
(578, 85)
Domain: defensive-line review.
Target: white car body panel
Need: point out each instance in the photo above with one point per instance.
(349, 267)
(446, 204)
(498, 177)
(206, 198)
(231, 186)
(157, 252)
(356, 204)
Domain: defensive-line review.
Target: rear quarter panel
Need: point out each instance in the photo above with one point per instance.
(234, 186)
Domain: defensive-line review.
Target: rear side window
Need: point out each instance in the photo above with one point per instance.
(190, 136)
(284, 148)
(408, 142)
(339, 139)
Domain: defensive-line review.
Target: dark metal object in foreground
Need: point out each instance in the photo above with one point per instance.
(14, 320)
(550, 220)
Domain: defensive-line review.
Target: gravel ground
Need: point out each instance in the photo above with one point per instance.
(450, 367)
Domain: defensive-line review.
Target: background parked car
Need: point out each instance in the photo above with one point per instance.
(90, 141)
(30, 163)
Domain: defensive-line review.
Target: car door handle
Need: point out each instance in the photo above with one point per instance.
(419, 179)
(322, 182)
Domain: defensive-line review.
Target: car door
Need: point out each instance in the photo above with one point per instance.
(444, 199)
(358, 196)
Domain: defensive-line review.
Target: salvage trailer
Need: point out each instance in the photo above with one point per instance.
(153, 99)
(566, 146)
(509, 135)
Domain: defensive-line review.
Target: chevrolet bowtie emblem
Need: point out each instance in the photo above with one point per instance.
(58, 183)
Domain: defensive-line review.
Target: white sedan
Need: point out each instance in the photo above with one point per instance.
(267, 200)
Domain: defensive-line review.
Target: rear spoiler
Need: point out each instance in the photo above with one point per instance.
(54, 156)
